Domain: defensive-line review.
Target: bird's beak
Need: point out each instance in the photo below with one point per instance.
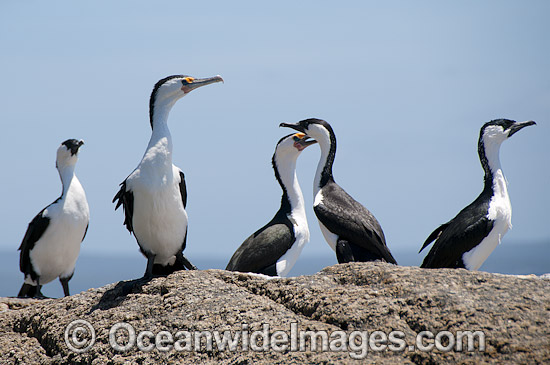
(196, 83)
(517, 126)
(295, 126)
(75, 148)
(303, 142)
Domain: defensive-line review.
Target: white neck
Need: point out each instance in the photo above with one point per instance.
(324, 145)
(500, 202)
(492, 152)
(287, 172)
(66, 173)
(162, 109)
(159, 149)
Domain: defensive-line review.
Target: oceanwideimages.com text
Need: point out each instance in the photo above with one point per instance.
(80, 336)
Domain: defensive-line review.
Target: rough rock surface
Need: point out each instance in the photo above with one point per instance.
(512, 312)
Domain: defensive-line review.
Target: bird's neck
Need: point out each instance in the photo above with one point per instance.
(68, 179)
(285, 172)
(324, 168)
(489, 155)
(500, 208)
(159, 109)
(159, 149)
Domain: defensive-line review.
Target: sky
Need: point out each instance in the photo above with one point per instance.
(405, 85)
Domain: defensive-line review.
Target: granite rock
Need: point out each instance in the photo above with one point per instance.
(368, 312)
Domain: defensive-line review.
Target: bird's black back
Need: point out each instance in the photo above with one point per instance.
(351, 221)
(265, 246)
(461, 234)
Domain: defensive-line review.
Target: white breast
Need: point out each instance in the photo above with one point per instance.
(500, 212)
(500, 208)
(301, 231)
(159, 218)
(56, 252)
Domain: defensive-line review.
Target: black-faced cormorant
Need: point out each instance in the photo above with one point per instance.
(349, 228)
(273, 249)
(469, 238)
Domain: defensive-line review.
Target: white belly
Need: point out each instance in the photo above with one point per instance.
(55, 253)
(287, 261)
(474, 258)
(159, 221)
(500, 211)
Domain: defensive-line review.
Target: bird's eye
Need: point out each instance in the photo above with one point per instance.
(187, 80)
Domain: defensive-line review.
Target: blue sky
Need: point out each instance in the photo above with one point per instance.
(405, 85)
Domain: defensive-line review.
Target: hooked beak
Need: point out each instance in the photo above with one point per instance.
(295, 126)
(196, 83)
(518, 126)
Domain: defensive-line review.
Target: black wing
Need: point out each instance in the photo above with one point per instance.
(183, 189)
(126, 199)
(459, 235)
(434, 235)
(351, 221)
(35, 230)
(263, 248)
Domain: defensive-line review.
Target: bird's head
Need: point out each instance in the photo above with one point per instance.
(491, 136)
(67, 153)
(498, 130)
(293, 144)
(287, 151)
(177, 86)
(172, 88)
(317, 129)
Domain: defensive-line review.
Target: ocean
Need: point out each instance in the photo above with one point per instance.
(95, 270)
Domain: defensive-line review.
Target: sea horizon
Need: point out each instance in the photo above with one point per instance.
(94, 269)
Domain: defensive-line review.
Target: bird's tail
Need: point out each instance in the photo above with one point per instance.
(181, 263)
(28, 291)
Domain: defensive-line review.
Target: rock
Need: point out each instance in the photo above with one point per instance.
(342, 306)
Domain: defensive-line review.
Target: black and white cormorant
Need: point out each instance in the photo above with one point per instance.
(52, 242)
(469, 238)
(349, 228)
(154, 196)
(273, 249)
